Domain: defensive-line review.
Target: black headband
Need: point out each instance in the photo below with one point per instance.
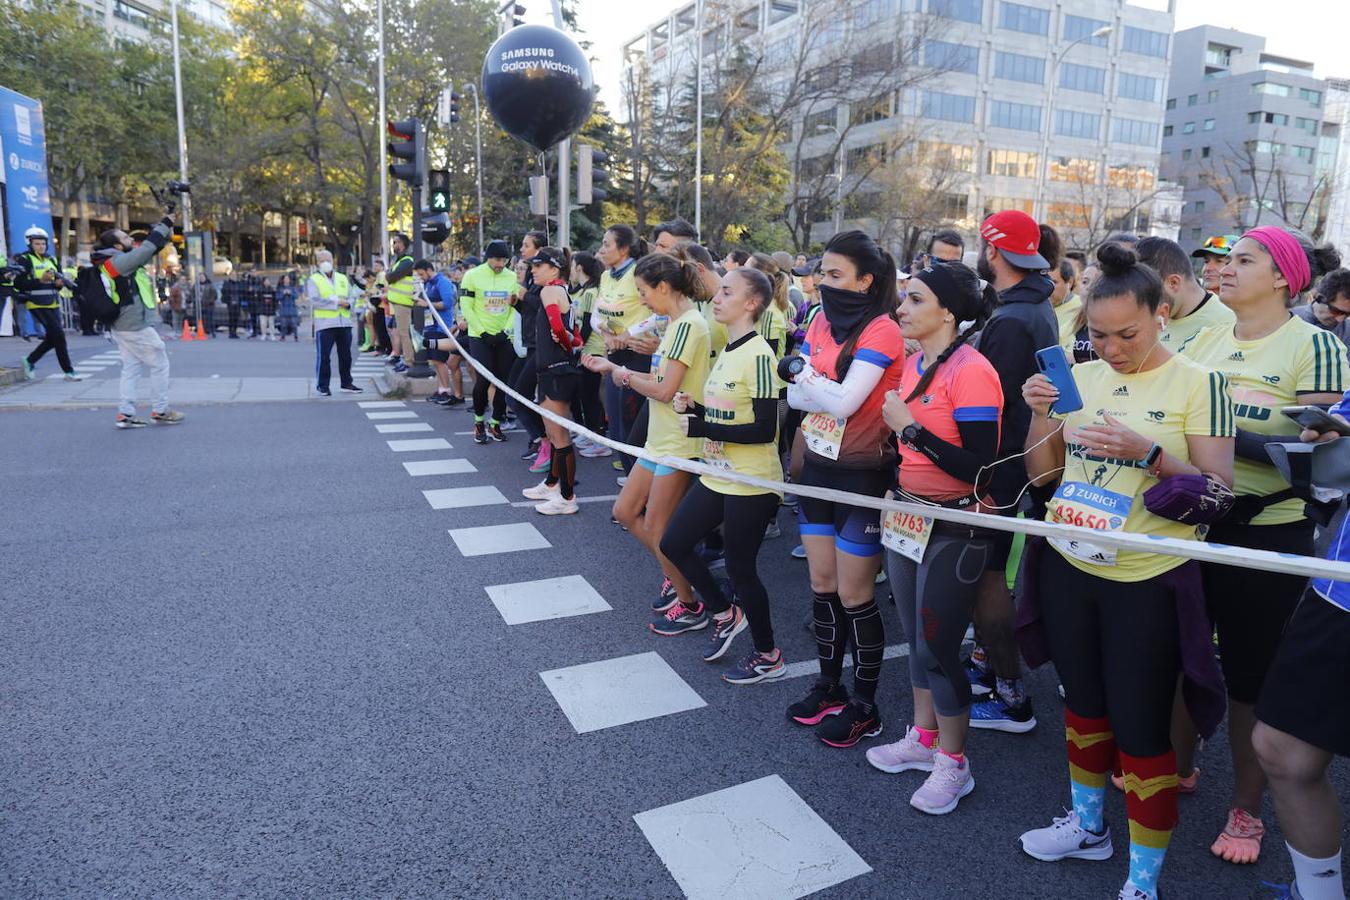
(939, 278)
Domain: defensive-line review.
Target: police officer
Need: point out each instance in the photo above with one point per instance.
(38, 284)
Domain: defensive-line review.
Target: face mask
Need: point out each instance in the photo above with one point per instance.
(326, 267)
(844, 310)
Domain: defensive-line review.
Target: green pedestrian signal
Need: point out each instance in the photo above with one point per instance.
(438, 190)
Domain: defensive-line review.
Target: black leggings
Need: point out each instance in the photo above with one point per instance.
(1117, 648)
(54, 338)
(495, 353)
(745, 518)
(525, 379)
(940, 593)
(586, 407)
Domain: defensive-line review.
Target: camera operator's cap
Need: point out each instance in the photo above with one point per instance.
(1017, 237)
(139, 234)
(1219, 245)
(497, 250)
(548, 256)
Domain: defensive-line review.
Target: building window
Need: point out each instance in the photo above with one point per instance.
(1274, 148)
(1171, 102)
(868, 111)
(1076, 27)
(1134, 131)
(1269, 118)
(1204, 153)
(1028, 19)
(999, 204)
(1270, 87)
(1213, 96)
(1313, 97)
(1209, 125)
(1145, 42)
(1191, 99)
(1016, 67)
(1199, 206)
(1309, 125)
(960, 10)
(1137, 87)
(1304, 153)
(955, 207)
(820, 121)
(1218, 55)
(1167, 131)
(1074, 77)
(948, 107)
(1073, 169)
(865, 157)
(1186, 154)
(1013, 163)
(952, 57)
(782, 9)
(870, 12)
(1078, 124)
(951, 157)
(1195, 234)
(1188, 128)
(1068, 215)
(1019, 116)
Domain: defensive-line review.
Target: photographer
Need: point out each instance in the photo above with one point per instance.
(37, 282)
(122, 264)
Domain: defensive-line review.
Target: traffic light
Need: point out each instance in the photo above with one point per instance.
(435, 226)
(447, 107)
(590, 178)
(454, 107)
(438, 190)
(511, 13)
(411, 146)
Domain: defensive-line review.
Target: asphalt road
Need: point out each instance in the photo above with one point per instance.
(243, 657)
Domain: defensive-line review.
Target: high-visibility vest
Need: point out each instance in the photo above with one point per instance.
(144, 288)
(401, 292)
(40, 265)
(327, 288)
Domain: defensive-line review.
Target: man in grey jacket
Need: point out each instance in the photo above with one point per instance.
(121, 262)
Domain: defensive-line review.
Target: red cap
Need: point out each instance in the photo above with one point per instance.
(1017, 237)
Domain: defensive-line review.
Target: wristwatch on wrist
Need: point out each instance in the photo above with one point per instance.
(910, 433)
(1153, 459)
(627, 377)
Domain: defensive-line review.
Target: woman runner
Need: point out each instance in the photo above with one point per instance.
(618, 308)
(854, 354)
(946, 413)
(586, 271)
(738, 422)
(1111, 617)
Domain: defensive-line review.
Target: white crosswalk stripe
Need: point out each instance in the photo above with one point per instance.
(403, 428)
(459, 498)
(548, 598)
(418, 444)
(401, 414)
(440, 467)
(487, 540)
(380, 404)
(612, 692)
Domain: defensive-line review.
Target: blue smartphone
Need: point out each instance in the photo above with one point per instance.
(1054, 364)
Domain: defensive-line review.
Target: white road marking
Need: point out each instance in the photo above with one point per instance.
(812, 666)
(381, 404)
(606, 498)
(459, 498)
(549, 598)
(613, 692)
(392, 414)
(419, 444)
(440, 467)
(486, 540)
(403, 428)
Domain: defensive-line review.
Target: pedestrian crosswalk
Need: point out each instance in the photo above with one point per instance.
(613, 692)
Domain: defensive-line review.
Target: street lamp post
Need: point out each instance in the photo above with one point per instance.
(1043, 162)
(698, 119)
(472, 88)
(384, 150)
(839, 174)
(186, 199)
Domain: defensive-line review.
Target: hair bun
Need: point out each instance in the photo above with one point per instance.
(1325, 259)
(1116, 259)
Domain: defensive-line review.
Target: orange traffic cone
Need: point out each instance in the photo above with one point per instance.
(201, 330)
(187, 331)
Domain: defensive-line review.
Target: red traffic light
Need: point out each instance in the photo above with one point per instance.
(404, 130)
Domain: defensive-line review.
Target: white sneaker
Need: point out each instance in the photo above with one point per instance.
(904, 755)
(596, 451)
(542, 491)
(1066, 838)
(944, 788)
(74, 376)
(621, 480)
(1130, 892)
(558, 507)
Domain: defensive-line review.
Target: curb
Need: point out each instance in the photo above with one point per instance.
(10, 376)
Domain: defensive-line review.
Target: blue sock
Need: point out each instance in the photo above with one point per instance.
(1088, 802)
(1145, 866)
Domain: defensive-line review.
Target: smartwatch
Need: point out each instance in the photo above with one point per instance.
(910, 433)
(1153, 457)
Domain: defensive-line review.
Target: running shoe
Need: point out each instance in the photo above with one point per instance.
(438, 398)
(906, 755)
(596, 451)
(993, 714)
(123, 421)
(618, 465)
(679, 619)
(754, 668)
(72, 375)
(723, 633)
(323, 392)
(544, 461)
(667, 598)
(392, 360)
(558, 507)
(351, 389)
(542, 491)
(1240, 840)
(1132, 892)
(949, 782)
(401, 368)
(27, 369)
(789, 500)
(621, 480)
(799, 551)
(168, 417)
(531, 449)
(824, 699)
(981, 680)
(881, 576)
(853, 723)
(581, 442)
(454, 401)
(1066, 838)
(772, 531)
(495, 432)
(480, 435)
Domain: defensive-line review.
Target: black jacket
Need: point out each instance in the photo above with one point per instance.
(1023, 323)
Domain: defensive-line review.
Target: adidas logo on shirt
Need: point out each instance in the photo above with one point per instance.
(1121, 391)
(1236, 356)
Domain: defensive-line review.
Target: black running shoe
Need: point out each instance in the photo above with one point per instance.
(454, 401)
(531, 449)
(854, 722)
(480, 435)
(823, 700)
(495, 432)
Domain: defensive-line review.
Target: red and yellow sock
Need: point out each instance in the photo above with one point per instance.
(1151, 804)
(1091, 748)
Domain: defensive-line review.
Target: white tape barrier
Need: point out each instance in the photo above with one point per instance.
(1265, 560)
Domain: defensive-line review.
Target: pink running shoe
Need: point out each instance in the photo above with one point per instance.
(544, 460)
(905, 755)
(949, 782)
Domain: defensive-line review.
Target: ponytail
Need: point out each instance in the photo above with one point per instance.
(868, 259)
(662, 268)
(777, 277)
(626, 238)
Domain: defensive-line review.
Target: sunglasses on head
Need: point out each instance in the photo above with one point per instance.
(1216, 243)
(1336, 311)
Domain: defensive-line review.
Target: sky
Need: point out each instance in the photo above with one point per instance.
(1304, 29)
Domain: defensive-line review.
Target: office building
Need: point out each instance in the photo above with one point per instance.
(1338, 208)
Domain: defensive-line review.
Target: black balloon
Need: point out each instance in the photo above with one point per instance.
(537, 85)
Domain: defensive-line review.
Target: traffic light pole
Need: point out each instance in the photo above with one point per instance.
(564, 165)
(419, 367)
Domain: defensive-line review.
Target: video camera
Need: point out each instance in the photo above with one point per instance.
(178, 187)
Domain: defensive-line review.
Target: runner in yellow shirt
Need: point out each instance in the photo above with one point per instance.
(1190, 308)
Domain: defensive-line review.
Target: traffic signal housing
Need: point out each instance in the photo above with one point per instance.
(410, 145)
(590, 177)
(435, 227)
(438, 190)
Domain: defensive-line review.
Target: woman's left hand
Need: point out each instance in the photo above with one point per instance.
(597, 363)
(1114, 440)
(896, 412)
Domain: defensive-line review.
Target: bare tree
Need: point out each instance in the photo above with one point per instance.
(1247, 178)
(921, 186)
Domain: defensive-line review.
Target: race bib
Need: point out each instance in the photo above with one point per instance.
(824, 434)
(656, 366)
(1088, 506)
(496, 302)
(715, 454)
(906, 534)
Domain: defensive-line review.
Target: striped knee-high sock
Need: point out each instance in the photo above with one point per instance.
(1151, 804)
(1091, 748)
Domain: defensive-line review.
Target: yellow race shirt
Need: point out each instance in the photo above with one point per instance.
(740, 376)
(1264, 376)
(717, 332)
(686, 341)
(1177, 399)
(1210, 312)
(773, 326)
(585, 302)
(618, 302)
(1066, 314)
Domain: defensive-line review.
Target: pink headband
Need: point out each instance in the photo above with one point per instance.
(1288, 255)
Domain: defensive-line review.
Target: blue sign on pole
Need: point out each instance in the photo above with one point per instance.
(23, 144)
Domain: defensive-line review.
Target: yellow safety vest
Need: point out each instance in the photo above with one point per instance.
(143, 287)
(326, 288)
(401, 292)
(42, 264)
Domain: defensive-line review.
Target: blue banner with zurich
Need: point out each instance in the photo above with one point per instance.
(23, 145)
